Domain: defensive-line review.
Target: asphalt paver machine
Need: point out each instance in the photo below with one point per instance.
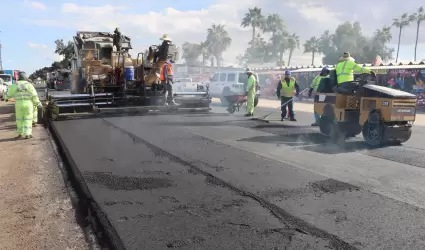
(383, 115)
(100, 83)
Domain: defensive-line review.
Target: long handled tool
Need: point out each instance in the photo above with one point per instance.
(263, 118)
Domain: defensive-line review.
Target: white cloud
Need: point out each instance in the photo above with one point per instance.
(37, 5)
(45, 52)
(37, 45)
(304, 17)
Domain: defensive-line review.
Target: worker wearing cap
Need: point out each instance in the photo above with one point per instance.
(285, 91)
(313, 90)
(250, 92)
(26, 99)
(345, 69)
(166, 73)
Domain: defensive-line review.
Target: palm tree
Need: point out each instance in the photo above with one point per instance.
(191, 53)
(312, 45)
(255, 19)
(400, 23)
(219, 40)
(383, 35)
(274, 24)
(418, 17)
(293, 42)
(204, 49)
(279, 44)
(326, 42)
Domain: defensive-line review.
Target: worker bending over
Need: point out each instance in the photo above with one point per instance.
(26, 99)
(345, 71)
(285, 91)
(313, 90)
(250, 92)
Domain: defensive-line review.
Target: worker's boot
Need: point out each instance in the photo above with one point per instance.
(18, 137)
(316, 124)
(28, 137)
(248, 115)
(293, 119)
(34, 124)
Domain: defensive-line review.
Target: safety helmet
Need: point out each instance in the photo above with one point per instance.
(165, 37)
(248, 70)
(287, 73)
(22, 76)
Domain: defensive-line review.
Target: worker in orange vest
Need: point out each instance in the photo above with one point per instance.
(166, 78)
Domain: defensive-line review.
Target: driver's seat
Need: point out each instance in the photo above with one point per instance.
(347, 88)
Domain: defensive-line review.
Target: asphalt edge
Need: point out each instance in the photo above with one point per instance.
(106, 234)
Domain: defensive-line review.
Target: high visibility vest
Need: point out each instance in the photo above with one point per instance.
(345, 71)
(287, 90)
(316, 82)
(169, 71)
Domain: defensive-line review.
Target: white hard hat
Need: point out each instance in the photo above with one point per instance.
(165, 38)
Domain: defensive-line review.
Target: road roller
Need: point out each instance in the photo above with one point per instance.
(382, 115)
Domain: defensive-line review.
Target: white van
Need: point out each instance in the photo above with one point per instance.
(229, 83)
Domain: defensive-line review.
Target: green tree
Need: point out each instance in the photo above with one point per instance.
(204, 48)
(400, 23)
(67, 51)
(325, 43)
(255, 19)
(292, 43)
(280, 44)
(312, 45)
(191, 53)
(418, 17)
(348, 37)
(219, 40)
(277, 27)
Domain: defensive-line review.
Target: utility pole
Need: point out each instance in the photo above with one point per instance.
(1, 61)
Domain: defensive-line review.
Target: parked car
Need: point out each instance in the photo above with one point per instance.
(3, 89)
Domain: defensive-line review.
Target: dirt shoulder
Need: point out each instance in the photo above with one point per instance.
(35, 206)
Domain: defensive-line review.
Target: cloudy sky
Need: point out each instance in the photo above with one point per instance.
(29, 28)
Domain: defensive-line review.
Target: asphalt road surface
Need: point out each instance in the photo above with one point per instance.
(220, 181)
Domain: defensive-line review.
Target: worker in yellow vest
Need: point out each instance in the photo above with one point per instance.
(313, 90)
(285, 91)
(250, 90)
(345, 69)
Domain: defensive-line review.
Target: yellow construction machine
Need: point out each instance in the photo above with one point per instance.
(383, 115)
(106, 79)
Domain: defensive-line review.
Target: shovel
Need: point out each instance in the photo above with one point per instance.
(263, 118)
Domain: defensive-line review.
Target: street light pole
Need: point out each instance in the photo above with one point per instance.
(1, 61)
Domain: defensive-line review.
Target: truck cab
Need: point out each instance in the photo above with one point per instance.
(7, 79)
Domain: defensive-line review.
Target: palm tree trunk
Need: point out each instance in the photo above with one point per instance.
(290, 56)
(312, 60)
(253, 37)
(417, 36)
(398, 46)
(281, 56)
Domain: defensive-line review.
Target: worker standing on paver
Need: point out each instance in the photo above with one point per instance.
(26, 99)
(250, 92)
(285, 91)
